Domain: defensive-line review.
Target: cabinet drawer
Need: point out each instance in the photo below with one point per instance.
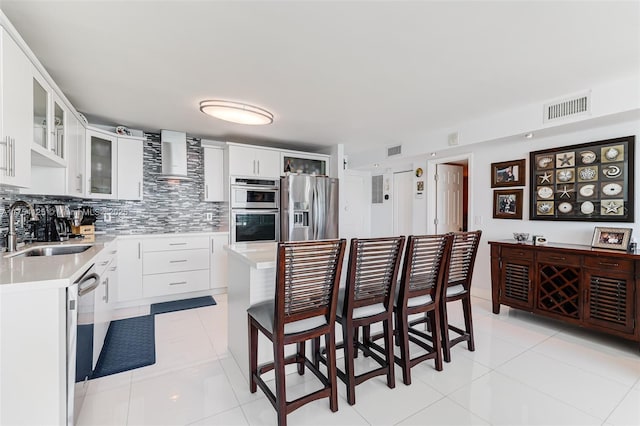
(106, 256)
(620, 265)
(558, 258)
(173, 283)
(175, 261)
(175, 243)
(516, 253)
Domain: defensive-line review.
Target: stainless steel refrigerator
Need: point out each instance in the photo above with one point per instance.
(308, 208)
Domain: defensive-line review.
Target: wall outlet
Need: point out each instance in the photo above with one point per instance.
(107, 217)
(209, 217)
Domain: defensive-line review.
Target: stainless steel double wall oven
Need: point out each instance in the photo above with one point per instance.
(255, 210)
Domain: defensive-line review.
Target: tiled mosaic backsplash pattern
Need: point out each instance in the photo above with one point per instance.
(167, 207)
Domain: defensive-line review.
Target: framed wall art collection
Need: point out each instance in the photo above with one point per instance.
(586, 182)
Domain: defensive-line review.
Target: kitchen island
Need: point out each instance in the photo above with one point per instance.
(252, 279)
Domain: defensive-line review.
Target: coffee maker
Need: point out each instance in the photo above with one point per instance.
(61, 223)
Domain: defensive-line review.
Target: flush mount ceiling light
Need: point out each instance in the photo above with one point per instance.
(236, 112)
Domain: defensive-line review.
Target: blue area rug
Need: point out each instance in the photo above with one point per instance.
(130, 343)
(179, 305)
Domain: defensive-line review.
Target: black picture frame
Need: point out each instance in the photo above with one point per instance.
(508, 173)
(507, 204)
(589, 182)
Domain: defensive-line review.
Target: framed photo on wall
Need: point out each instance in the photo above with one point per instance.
(611, 238)
(507, 204)
(585, 182)
(508, 173)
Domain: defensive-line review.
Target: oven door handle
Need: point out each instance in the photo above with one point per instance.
(250, 211)
(89, 288)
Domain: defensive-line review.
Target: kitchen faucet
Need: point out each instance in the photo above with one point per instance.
(12, 238)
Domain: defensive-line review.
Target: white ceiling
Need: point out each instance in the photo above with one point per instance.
(362, 73)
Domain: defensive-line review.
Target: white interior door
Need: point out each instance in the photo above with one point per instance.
(448, 198)
(355, 202)
(402, 203)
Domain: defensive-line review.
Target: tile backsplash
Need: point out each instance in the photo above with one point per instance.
(167, 207)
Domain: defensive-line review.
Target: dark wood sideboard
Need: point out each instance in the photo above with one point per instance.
(588, 287)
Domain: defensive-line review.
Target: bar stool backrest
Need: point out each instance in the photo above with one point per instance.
(373, 271)
(425, 266)
(307, 280)
(463, 256)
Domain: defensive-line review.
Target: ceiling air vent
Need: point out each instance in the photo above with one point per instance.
(394, 150)
(571, 107)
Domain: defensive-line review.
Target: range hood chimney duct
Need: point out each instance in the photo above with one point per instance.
(174, 155)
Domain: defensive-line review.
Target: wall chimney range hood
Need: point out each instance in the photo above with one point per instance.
(174, 155)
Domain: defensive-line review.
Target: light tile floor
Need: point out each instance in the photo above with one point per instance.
(526, 370)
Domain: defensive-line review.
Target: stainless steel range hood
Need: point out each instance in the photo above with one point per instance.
(174, 155)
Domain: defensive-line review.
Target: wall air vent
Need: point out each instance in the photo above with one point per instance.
(571, 107)
(392, 151)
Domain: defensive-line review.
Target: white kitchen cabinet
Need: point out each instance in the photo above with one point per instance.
(129, 166)
(48, 123)
(101, 164)
(129, 270)
(75, 138)
(214, 175)
(106, 267)
(16, 111)
(218, 263)
(175, 265)
(253, 162)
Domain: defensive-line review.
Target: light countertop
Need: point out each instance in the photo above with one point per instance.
(30, 273)
(22, 273)
(256, 255)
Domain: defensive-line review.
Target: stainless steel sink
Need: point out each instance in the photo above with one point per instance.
(52, 250)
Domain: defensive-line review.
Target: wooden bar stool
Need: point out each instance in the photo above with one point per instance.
(306, 295)
(368, 299)
(425, 269)
(463, 257)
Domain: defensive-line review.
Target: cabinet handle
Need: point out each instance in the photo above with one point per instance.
(114, 251)
(105, 263)
(212, 246)
(12, 158)
(178, 261)
(5, 142)
(113, 268)
(178, 283)
(206, 192)
(105, 283)
(258, 161)
(608, 264)
(254, 167)
(79, 186)
(177, 244)
(139, 250)
(139, 189)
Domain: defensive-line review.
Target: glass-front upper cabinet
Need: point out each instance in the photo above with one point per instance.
(101, 164)
(58, 130)
(48, 119)
(40, 114)
(308, 164)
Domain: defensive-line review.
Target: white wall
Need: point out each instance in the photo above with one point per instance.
(481, 156)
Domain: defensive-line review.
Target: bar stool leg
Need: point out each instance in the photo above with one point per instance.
(388, 345)
(253, 356)
(281, 391)
(349, 355)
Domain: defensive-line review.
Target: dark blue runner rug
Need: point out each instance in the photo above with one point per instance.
(179, 305)
(130, 343)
